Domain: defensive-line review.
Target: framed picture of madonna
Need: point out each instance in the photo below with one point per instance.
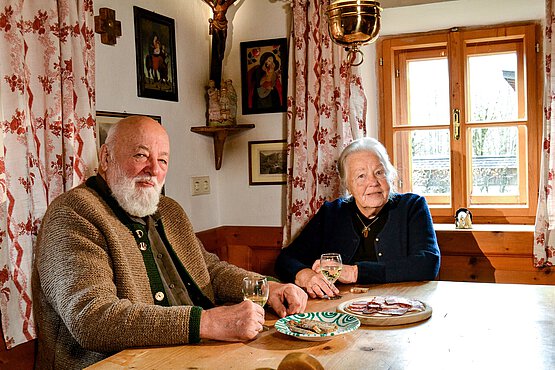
(264, 76)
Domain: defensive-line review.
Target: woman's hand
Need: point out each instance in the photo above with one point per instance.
(349, 274)
(314, 283)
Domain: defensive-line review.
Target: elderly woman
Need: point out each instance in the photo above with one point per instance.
(382, 236)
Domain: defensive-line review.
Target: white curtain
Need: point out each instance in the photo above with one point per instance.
(326, 111)
(544, 246)
(47, 140)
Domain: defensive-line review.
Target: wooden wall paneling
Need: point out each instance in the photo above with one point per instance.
(493, 269)
(490, 256)
(250, 247)
(466, 268)
(488, 242)
(210, 240)
(253, 248)
(22, 357)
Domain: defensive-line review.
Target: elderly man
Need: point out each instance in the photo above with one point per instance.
(117, 265)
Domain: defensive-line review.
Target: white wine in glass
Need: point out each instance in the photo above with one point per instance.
(331, 266)
(256, 289)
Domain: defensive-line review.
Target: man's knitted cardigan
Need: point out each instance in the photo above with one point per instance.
(91, 291)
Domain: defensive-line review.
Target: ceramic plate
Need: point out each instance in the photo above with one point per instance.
(345, 322)
(386, 320)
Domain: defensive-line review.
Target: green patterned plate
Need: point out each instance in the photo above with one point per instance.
(345, 322)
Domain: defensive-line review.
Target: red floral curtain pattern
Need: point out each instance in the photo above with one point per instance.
(47, 130)
(326, 111)
(544, 246)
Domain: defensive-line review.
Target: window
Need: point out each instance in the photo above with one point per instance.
(461, 119)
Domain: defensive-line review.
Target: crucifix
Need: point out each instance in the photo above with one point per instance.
(218, 30)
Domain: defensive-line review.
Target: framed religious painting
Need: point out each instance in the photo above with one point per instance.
(105, 120)
(155, 55)
(267, 162)
(264, 76)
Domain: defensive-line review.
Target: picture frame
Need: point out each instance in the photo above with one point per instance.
(262, 90)
(155, 55)
(267, 162)
(105, 119)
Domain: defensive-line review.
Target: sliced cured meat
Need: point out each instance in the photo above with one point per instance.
(357, 308)
(399, 301)
(386, 306)
(417, 306)
(359, 303)
(370, 311)
(394, 311)
(379, 300)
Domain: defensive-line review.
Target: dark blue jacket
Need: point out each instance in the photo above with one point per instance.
(406, 248)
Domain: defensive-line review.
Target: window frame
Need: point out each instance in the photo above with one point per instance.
(455, 43)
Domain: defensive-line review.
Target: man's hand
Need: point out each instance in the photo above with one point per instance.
(315, 283)
(239, 322)
(286, 299)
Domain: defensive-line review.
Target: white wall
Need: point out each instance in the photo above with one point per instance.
(241, 204)
(233, 201)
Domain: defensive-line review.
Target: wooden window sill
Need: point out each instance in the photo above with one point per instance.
(487, 228)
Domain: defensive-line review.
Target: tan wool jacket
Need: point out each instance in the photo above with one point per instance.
(91, 292)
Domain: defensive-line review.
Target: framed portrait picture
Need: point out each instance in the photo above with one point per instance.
(104, 120)
(264, 76)
(267, 162)
(156, 55)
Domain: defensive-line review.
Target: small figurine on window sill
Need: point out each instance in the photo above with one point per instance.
(463, 219)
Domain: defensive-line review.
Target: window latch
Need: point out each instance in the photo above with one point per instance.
(456, 124)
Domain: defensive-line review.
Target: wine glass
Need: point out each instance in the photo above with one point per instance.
(330, 267)
(256, 289)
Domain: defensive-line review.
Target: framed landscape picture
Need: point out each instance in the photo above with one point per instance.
(264, 76)
(267, 162)
(156, 55)
(104, 120)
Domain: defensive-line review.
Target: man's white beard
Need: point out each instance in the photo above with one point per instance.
(135, 200)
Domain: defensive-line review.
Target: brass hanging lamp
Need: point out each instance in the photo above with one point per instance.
(353, 23)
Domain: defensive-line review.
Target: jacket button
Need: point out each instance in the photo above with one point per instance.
(159, 296)
(142, 246)
(172, 285)
(377, 239)
(159, 255)
(379, 254)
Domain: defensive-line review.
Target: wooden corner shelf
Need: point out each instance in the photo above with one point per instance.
(220, 133)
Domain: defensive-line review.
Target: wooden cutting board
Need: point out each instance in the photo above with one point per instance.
(383, 320)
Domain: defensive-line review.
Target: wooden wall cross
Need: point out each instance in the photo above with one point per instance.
(106, 25)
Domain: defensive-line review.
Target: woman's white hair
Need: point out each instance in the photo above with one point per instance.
(368, 144)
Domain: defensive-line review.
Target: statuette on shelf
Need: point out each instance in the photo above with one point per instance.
(222, 104)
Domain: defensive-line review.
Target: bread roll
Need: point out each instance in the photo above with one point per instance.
(299, 361)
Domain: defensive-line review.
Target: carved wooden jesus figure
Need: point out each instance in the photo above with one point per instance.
(218, 30)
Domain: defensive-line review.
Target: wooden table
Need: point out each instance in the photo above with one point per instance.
(473, 326)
